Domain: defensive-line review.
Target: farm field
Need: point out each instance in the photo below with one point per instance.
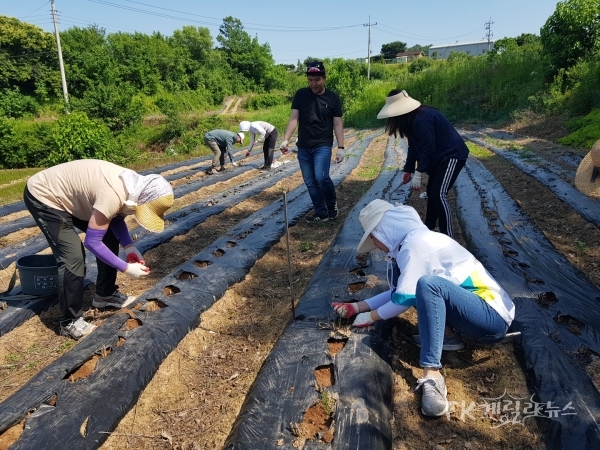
(198, 389)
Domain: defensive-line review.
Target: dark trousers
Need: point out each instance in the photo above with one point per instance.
(269, 147)
(438, 207)
(59, 227)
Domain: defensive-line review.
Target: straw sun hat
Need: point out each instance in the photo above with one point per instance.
(369, 217)
(396, 105)
(149, 197)
(587, 178)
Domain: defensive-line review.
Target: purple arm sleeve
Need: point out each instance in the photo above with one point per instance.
(93, 242)
(119, 229)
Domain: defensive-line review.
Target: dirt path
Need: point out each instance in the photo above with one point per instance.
(194, 397)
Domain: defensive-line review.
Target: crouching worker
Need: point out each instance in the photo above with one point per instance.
(94, 196)
(453, 293)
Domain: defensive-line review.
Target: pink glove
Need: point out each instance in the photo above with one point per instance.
(406, 177)
(345, 309)
(133, 255)
(363, 320)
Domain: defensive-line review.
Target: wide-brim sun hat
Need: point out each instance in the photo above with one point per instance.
(369, 217)
(151, 215)
(587, 177)
(241, 135)
(245, 125)
(396, 105)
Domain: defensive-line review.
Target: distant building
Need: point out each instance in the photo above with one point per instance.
(406, 57)
(471, 48)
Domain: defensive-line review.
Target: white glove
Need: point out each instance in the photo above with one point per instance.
(416, 181)
(284, 147)
(133, 255)
(345, 309)
(339, 156)
(137, 271)
(363, 320)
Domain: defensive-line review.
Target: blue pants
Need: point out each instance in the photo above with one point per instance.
(441, 302)
(314, 164)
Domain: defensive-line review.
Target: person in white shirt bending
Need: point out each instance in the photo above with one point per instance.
(266, 133)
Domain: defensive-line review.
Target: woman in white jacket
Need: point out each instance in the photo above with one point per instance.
(452, 291)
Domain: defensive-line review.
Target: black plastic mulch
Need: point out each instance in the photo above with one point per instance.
(84, 410)
(179, 222)
(557, 310)
(586, 207)
(285, 386)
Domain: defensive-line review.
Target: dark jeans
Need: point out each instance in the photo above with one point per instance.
(438, 207)
(59, 229)
(314, 164)
(269, 147)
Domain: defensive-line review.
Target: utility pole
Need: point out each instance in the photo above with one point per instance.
(60, 59)
(369, 47)
(488, 27)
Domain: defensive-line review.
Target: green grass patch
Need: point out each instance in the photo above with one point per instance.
(11, 175)
(479, 152)
(585, 130)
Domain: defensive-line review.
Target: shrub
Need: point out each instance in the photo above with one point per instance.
(77, 137)
(264, 101)
(14, 104)
(23, 144)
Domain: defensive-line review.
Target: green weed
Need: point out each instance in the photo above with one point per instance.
(304, 246)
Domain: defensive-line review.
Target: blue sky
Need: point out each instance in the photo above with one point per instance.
(296, 29)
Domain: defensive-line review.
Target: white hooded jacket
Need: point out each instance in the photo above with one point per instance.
(419, 251)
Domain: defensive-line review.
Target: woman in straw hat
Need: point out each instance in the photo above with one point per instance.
(587, 178)
(434, 145)
(453, 293)
(94, 196)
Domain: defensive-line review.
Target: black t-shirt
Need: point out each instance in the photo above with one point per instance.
(316, 113)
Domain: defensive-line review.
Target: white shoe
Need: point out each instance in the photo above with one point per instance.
(76, 329)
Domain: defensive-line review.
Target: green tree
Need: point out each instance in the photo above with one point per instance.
(421, 48)
(572, 32)
(392, 49)
(28, 60)
(245, 54)
(88, 59)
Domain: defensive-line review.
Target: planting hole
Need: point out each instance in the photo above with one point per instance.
(336, 345)
(218, 252)
(155, 305)
(358, 272)
(171, 290)
(231, 244)
(88, 367)
(202, 264)
(573, 325)
(546, 299)
(184, 275)
(324, 375)
(356, 287)
(131, 323)
(317, 422)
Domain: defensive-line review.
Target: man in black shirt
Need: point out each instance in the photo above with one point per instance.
(317, 112)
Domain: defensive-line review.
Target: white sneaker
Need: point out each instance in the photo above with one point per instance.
(76, 329)
(116, 300)
(434, 402)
